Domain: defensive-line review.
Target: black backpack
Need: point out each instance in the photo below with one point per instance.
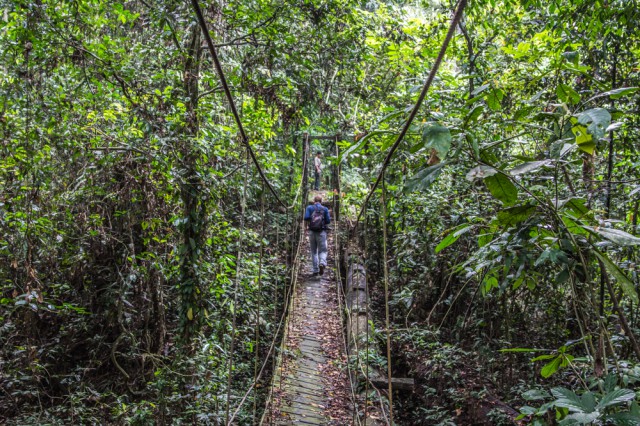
(317, 219)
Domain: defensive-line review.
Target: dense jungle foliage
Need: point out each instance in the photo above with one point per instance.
(144, 264)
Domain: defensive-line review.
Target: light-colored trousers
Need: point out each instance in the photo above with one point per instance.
(318, 243)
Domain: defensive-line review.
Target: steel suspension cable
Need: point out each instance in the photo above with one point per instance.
(414, 111)
(232, 105)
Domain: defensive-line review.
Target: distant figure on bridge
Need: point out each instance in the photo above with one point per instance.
(317, 162)
(317, 218)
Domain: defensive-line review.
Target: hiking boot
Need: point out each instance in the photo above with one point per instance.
(321, 269)
(315, 274)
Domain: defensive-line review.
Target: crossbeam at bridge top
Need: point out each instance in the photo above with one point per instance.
(338, 136)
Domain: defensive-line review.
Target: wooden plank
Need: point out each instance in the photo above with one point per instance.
(303, 414)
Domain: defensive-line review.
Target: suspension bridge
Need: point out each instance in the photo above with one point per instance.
(312, 370)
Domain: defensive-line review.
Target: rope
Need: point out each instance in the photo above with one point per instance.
(235, 290)
(386, 293)
(232, 105)
(452, 27)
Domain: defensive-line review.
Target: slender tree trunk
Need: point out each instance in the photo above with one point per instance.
(194, 208)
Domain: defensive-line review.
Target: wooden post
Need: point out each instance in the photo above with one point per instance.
(336, 179)
(305, 171)
(358, 320)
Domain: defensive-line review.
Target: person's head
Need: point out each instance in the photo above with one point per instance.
(317, 199)
(318, 154)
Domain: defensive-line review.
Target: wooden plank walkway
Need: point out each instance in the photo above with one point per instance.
(310, 386)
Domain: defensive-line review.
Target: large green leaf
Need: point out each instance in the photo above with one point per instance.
(584, 139)
(616, 397)
(625, 419)
(437, 137)
(596, 120)
(580, 419)
(615, 235)
(515, 215)
(617, 93)
(502, 188)
(621, 277)
(424, 178)
(567, 94)
(568, 399)
(550, 368)
(473, 115)
(576, 206)
(528, 167)
(453, 237)
(494, 99)
(623, 91)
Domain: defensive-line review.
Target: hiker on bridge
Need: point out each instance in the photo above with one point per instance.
(317, 163)
(317, 218)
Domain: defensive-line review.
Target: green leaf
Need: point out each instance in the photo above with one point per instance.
(528, 167)
(544, 357)
(621, 277)
(517, 350)
(623, 91)
(589, 402)
(617, 236)
(480, 89)
(583, 139)
(597, 120)
(617, 93)
(572, 57)
(574, 205)
(425, 177)
(360, 144)
(494, 97)
(567, 94)
(502, 188)
(488, 283)
(567, 399)
(580, 419)
(549, 369)
(517, 214)
(616, 397)
(624, 419)
(453, 237)
(473, 115)
(437, 137)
